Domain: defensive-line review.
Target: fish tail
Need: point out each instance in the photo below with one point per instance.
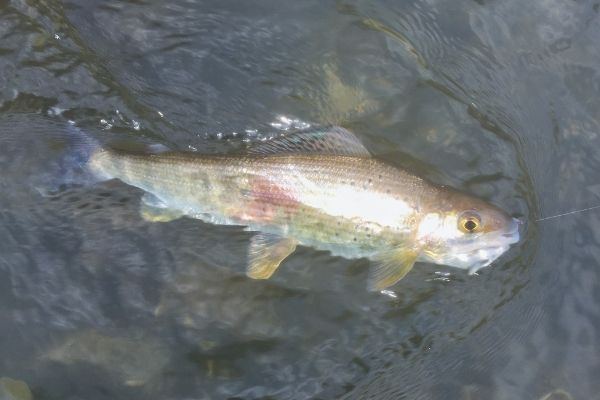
(70, 168)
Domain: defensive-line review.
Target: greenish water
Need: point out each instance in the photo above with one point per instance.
(497, 98)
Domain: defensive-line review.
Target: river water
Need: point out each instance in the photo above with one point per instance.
(497, 98)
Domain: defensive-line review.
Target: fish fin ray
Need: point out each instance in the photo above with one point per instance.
(153, 201)
(70, 168)
(266, 252)
(392, 267)
(333, 141)
(152, 209)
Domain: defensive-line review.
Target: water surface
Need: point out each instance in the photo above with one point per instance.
(497, 98)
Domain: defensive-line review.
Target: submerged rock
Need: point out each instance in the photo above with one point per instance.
(12, 389)
(135, 361)
(557, 394)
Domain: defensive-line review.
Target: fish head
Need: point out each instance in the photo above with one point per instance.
(465, 232)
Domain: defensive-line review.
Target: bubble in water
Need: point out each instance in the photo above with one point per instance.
(55, 111)
(105, 124)
(284, 123)
(440, 276)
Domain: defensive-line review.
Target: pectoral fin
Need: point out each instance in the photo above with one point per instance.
(265, 254)
(152, 209)
(392, 266)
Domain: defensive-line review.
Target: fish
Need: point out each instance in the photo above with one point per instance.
(321, 189)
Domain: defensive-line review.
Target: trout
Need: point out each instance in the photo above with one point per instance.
(319, 189)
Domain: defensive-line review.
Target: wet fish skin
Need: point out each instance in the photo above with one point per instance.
(312, 198)
(304, 190)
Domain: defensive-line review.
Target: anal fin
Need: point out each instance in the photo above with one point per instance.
(392, 266)
(265, 254)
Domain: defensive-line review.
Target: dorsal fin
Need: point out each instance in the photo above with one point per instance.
(335, 141)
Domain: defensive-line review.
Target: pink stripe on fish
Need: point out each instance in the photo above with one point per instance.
(266, 201)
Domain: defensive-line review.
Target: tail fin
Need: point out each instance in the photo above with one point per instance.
(70, 168)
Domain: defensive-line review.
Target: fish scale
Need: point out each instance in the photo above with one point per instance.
(297, 189)
(318, 189)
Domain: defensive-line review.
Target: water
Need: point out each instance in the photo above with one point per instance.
(496, 98)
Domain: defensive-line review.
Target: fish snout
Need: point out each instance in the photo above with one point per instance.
(512, 230)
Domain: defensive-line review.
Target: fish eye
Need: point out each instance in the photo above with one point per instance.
(469, 222)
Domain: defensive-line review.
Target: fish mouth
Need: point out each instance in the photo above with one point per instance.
(480, 253)
(512, 233)
(498, 240)
(487, 255)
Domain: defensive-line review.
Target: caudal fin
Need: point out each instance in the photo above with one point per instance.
(70, 167)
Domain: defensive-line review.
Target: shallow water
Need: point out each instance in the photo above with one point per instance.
(499, 99)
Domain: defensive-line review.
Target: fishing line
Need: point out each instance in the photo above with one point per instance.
(568, 213)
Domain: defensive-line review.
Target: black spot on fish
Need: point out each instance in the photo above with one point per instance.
(123, 200)
(73, 199)
(82, 206)
(105, 194)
